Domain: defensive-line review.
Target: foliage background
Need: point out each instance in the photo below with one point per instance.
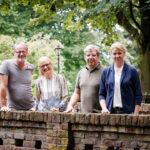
(44, 32)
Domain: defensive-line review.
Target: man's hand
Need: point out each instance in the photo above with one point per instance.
(74, 99)
(4, 108)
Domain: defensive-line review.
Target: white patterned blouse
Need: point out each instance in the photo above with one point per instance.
(51, 93)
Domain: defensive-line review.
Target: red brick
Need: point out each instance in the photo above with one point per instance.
(30, 144)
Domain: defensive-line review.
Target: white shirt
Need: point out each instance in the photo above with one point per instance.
(117, 101)
(51, 93)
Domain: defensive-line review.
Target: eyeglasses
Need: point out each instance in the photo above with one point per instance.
(45, 65)
(91, 55)
(19, 52)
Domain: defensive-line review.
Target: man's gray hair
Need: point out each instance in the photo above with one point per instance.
(20, 43)
(92, 47)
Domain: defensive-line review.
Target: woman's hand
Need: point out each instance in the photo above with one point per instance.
(105, 111)
(104, 107)
(54, 109)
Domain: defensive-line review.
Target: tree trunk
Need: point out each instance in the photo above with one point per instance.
(145, 72)
(145, 45)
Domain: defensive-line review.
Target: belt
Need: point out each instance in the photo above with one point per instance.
(118, 108)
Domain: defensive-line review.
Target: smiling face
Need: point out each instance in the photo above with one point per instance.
(20, 52)
(118, 55)
(45, 66)
(92, 58)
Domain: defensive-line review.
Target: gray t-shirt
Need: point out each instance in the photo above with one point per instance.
(88, 83)
(19, 94)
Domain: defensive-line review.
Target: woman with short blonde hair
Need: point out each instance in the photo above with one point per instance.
(51, 88)
(120, 90)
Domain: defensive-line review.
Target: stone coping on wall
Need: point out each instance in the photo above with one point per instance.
(145, 108)
(29, 117)
(30, 130)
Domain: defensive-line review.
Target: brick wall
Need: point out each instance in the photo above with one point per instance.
(74, 131)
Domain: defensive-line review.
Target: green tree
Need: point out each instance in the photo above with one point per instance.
(38, 46)
(72, 60)
(132, 15)
(6, 47)
(100, 15)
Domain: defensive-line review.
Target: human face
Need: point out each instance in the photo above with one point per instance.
(45, 67)
(20, 53)
(92, 58)
(118, 56)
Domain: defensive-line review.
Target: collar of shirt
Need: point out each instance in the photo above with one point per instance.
(96, 68)
(118, 71)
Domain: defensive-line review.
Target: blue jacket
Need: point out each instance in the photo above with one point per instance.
(129, 87)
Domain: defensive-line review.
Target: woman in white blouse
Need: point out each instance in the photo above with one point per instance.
(51, 88)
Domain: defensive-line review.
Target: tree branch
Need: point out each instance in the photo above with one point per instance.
(123, 21)
(132, 17)
(136, 6)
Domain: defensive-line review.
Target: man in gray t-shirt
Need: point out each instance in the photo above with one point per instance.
(87, 83)
(16, 75)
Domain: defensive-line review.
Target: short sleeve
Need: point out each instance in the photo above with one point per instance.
(30, 67)
(4, 68)
(78, 81)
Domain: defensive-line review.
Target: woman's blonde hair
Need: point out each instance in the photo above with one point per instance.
(119, 46)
